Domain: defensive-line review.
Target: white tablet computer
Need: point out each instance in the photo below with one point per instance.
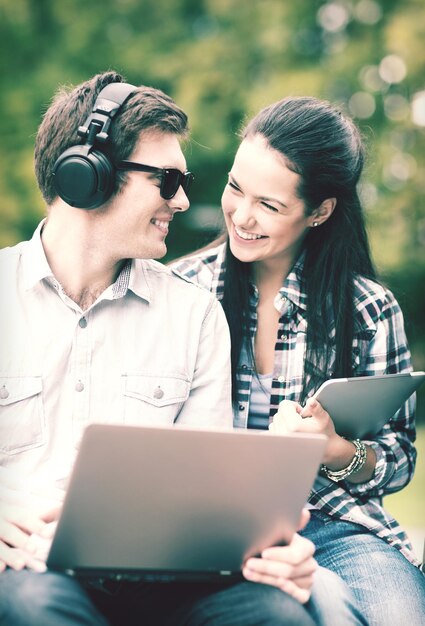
(360, 406)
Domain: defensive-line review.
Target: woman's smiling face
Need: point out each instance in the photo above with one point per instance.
(264, 216)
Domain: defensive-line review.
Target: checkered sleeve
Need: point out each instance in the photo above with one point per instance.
(203, 268)
(394, 444)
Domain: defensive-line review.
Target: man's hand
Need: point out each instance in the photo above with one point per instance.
(290, 568)
(28, 517)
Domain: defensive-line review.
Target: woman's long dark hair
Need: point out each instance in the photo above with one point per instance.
(324, 147)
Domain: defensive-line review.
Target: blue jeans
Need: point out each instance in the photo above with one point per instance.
(50, 599)
(389, 589)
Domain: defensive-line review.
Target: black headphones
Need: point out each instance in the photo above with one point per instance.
(83, 175)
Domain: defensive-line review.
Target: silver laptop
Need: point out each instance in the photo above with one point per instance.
(180, 504)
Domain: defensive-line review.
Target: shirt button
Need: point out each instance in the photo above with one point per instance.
(4, 393)
(284, 299)
(244, 367)
(241, 407)
(79, 386)
(281, 379)
(284, 337)
(82, 322)
(158, 393)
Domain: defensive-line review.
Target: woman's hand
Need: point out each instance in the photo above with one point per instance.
(290, 568)
(339, 451)
(316, 420)
(292, 417)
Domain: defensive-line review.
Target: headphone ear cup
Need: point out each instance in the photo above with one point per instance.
(84, 177)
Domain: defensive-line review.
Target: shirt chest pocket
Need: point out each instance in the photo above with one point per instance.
(153, 399)
(22, 424)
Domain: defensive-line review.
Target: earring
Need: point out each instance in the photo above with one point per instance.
(315, 224)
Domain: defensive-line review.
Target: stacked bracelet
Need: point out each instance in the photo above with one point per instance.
(356, 464)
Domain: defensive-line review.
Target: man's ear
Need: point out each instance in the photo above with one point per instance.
(323, 212)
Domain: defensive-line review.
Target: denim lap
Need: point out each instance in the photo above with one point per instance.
(50, 599)
(389, 589)
(31, 599)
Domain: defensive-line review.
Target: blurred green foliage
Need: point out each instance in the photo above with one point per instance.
(222, 60)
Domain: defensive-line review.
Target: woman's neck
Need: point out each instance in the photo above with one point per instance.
(269, 276)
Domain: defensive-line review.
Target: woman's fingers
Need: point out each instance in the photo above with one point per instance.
(314, 409)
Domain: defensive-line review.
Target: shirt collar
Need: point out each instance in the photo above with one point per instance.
(134, 277)
(292, 293)
(139, 280)
(218, 275)
(35, 264)
(294, 287)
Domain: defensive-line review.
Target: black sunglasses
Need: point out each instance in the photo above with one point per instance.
(171, 178)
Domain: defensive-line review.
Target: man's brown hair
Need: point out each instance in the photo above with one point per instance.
(146, 109)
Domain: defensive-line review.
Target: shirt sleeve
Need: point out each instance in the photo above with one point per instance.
(209, 401)
(394, 444)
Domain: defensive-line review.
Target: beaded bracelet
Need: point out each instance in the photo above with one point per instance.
(356, 464)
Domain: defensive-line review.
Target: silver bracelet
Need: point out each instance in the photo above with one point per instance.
(356, 464)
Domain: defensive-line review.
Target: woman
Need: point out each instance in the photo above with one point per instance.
(303, 304)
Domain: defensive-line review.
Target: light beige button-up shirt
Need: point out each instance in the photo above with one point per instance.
(153, 349)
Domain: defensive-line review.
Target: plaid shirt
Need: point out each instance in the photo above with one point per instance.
(379, 347)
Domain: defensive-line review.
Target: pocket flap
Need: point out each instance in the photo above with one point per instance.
(16, 388)
(157, 390)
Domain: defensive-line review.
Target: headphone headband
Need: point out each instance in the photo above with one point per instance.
(108, 103)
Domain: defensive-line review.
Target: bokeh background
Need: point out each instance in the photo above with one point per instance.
(222, 60)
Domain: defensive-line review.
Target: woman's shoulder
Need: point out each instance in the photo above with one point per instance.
(372, 301)
(202, 266)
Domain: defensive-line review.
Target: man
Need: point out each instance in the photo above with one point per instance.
(95, 330)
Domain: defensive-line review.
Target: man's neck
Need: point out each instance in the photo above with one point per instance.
(78, 258)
